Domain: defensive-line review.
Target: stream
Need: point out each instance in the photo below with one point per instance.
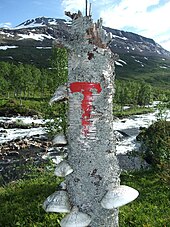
(31, 146)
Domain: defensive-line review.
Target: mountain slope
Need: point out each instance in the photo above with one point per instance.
(128, 42)
(153, 70)
(140, 57)
(40, 21)
(43, 30)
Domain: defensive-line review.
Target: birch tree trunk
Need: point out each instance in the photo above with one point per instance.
(91, 171)
(91, 141)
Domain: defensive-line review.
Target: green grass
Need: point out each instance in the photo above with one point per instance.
(134, 110)
(14, 107)
(29, 107)
(152, 208)
(21, 201)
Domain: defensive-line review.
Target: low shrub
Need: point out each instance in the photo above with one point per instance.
(156, 147)
(156, 143)
(13, 108)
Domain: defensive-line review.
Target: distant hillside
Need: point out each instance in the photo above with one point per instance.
(140, 57)
(153, 70)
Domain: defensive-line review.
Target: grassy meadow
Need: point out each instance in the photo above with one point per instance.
(21, 201)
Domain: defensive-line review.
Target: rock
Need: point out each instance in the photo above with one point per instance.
(12, 153)
(130, 162)
(3, 131)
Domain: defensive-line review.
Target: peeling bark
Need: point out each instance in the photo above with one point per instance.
(91, 141)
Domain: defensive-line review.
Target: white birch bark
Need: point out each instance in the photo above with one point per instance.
(91, 141)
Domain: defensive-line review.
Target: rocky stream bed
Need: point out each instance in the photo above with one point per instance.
(23, 140)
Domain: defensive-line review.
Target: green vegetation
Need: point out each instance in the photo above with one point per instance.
(11, 107)
(152, 207)
(134, 93)
(137, 96)
(155, 70)
(152, 70)
(156, 147)
(26, 89)
(21, 201)
(23, 81)
(155, 142)
(31, 84)
(27, 53)
(132, 110)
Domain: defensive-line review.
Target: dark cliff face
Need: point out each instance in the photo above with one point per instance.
(129, 35)
(42, 31)
(128, 42)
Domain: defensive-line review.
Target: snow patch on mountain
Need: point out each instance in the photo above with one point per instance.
(7, 34)
(7, 47)
(35, 36)
(120, 62)
(39, 22)
(29, 26)
(141, 63)
(163, 67)
(44, 48)
(46, 29)
(119, 37)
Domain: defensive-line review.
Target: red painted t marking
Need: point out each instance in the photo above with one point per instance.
(86, 89)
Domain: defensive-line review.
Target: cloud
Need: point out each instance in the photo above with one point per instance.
(6, 25)
(164, 41)
(145, 17)
(73, 5)
(135, 14)
(165, 44)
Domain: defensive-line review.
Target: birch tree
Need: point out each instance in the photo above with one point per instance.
(91, 169)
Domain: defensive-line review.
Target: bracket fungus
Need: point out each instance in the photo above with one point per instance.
(75, 218)
(59, 139)
(60, 94)
(119, 196)
(57, 202)
(56, 157)
(63, 169)
(63, 185)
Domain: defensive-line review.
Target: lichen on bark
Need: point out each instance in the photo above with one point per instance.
(91, 141)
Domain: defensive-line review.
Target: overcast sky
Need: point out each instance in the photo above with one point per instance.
(149, 18)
